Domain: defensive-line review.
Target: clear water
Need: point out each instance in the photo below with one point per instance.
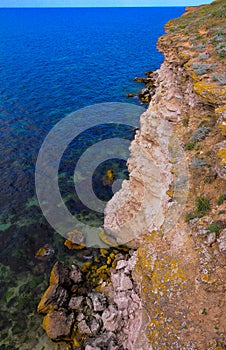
(53, 62)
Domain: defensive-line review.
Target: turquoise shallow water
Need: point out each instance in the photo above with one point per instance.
(53, 62)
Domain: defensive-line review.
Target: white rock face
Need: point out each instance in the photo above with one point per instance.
(140, 206)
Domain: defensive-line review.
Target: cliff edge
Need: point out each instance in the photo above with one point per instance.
(173, 207)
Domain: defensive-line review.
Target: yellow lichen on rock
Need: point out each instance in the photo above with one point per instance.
(210, 92)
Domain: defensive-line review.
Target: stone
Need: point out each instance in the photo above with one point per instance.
(131, 263)
(89, 347)
(122, 300)
(45, 252)
(121, 264)
(55, 297)
(80, 317)
(76, 274)
(98, 301)
(75, 240)
(83, 328)
(211, 238)
(110, 319)
(75, 302)
(222, 242)
(220, 159)
(102, 341)
(131, 95)
(60, 275)
(95, 326)
(58, 324)
(121, 282)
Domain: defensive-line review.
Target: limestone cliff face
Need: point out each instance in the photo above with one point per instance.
(179, 225)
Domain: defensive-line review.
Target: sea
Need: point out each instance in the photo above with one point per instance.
(54, 62)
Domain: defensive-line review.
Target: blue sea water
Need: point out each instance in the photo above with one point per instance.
(54, 62)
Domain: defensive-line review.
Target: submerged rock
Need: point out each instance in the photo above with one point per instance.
(75, 240)
(45, 252)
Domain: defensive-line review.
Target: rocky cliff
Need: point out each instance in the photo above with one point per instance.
(173, 206)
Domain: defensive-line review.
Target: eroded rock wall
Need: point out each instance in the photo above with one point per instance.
(178, 225)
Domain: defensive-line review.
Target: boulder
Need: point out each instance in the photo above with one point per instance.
(55, 297)
(60, 274)
(75, 240)
(58, 325)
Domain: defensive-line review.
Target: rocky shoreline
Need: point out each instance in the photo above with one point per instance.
(167, 291)
(145, 94)
(98, 315)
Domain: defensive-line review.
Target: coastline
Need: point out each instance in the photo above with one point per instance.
(172, 276)
(181, 258)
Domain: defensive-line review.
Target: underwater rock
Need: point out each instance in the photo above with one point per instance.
(45, 252)
(108, 178)
(75, 240)
(58, 324)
